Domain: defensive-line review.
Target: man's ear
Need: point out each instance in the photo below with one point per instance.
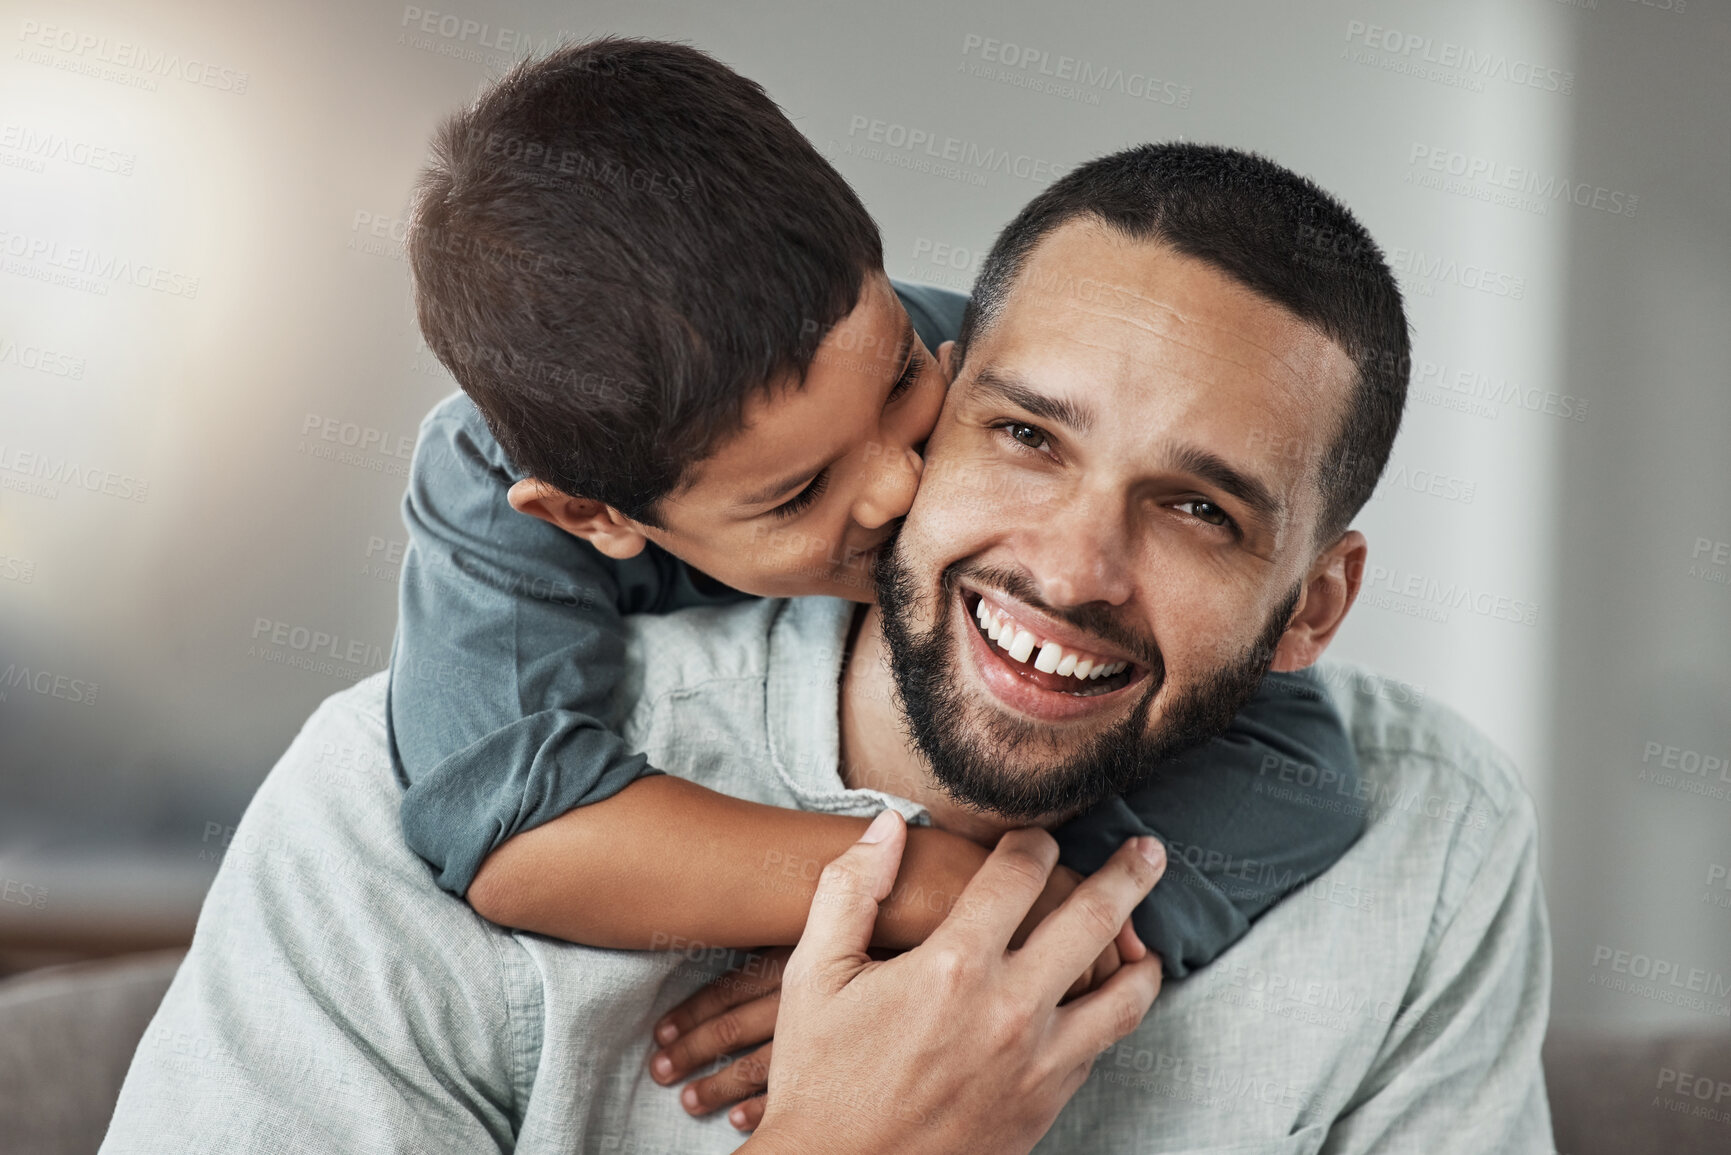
(945, 353)
(599, 524)
(1329, 591)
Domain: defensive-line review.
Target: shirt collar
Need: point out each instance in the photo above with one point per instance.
(807, 640)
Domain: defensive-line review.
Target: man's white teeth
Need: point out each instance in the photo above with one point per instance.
(988, 621)
(1050, 655)
(1020, 644)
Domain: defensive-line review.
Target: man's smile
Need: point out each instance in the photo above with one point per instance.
(1041, 669)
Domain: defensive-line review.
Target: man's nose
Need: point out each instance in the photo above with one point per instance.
(892, 477)
(1078, 554)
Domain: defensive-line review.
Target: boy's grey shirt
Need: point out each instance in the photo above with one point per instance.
(335, 1000)
(505, 702)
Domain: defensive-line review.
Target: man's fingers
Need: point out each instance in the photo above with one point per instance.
(997, 899)
(741, 1079)
(730, 1031)
(1090, 1024)
(760, 975)
(844, 910)
(1130, 948)
(1074, 935)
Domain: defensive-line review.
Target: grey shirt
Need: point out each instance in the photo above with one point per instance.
(336, 999)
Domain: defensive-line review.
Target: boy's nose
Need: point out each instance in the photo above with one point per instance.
(889, 491)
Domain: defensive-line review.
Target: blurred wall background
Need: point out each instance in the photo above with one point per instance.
(210, 382)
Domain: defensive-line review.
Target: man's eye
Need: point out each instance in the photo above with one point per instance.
(1030, 435)
(1205, 511)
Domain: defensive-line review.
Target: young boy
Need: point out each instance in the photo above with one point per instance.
(686, 381)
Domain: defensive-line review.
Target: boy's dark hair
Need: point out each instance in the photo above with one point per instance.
(614, 247)
(1274, 232)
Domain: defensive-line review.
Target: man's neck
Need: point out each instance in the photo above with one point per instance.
(878, 753)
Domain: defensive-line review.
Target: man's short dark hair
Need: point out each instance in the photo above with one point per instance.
(615, 247)
(1274, 232)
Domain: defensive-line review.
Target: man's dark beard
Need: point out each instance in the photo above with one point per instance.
(970, 754)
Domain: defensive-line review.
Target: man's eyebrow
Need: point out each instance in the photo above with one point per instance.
(1264, 504)
(1013, 390)
(800, 479)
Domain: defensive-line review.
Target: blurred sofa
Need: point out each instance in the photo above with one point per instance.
(67, 1034)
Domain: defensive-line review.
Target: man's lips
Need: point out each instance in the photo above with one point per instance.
(1024, 673)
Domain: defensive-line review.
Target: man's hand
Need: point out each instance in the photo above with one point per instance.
(959, 1044)
(1059, 886)
(738, 1010)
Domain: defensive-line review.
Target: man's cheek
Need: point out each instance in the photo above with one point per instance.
(981, 484)
(1199, 608)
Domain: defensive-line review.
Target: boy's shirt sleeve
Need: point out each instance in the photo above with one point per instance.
(505, 673)
(936, 313)
(1235, 846)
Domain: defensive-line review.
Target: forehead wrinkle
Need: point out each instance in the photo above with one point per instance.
(1124, 291)
(1132, 365)
(1293, 373)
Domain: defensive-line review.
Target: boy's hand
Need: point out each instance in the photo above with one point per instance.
(733, 1012)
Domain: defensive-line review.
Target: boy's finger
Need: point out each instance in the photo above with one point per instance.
(748, 1114)
(741, 1079)
(844, 910)
(760, 975)
(730, 1031)
(1072, 936)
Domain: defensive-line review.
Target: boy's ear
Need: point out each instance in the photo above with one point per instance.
(944, 352)
(597, 523)
(1329, 591)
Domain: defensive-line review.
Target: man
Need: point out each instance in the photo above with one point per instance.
(1160, 426)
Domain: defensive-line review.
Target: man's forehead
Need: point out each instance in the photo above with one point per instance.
(1127, 300)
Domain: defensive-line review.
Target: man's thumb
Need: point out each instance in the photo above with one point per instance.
(845, 908)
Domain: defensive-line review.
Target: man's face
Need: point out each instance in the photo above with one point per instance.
(1103, 480)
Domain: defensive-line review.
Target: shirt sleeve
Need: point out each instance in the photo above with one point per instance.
(1234, 847)
(505, 685)
(1460, 1071)
(936, 313)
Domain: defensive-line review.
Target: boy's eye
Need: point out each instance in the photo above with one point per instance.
(1203, 510)
(802, 500)
(916, 365)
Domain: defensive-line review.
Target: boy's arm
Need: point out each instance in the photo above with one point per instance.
(505, 686)
(506, 674)
(1247, 818)
(666, 860)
